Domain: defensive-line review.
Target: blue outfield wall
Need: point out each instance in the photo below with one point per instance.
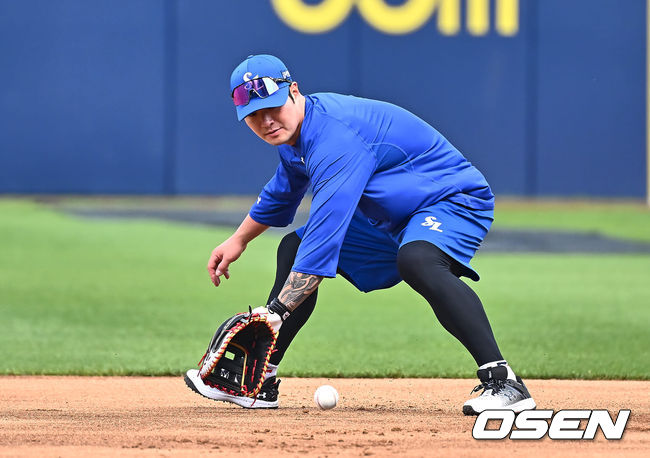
(546, 97)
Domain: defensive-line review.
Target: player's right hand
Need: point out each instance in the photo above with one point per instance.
(221, 257)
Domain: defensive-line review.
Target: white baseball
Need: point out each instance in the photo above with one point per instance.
(326, 397)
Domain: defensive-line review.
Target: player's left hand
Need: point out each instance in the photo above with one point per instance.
(248, 340)
(272, 318)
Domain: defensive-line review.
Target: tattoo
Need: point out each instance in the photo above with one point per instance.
(297, 288)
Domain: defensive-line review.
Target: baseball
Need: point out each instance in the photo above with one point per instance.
(326, 397)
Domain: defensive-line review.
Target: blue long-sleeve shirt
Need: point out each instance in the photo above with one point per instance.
(368, 154)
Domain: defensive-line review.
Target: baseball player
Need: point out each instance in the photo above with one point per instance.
(392, 200)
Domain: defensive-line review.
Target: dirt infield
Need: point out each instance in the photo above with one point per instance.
(147, 416)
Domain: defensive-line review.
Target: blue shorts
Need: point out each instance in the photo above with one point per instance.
(368, 257)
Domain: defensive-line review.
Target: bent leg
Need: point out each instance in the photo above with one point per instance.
(286, 255)
(434, 274)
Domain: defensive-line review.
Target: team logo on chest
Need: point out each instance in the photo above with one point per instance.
(432, 223)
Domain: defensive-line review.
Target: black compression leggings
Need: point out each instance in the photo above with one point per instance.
(430, 272)
(286, 254)
(435, 275)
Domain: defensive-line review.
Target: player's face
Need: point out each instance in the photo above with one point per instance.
(280, 125)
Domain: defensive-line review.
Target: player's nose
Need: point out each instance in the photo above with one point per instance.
(267, 119)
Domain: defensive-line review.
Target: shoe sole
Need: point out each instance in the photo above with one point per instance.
(524, 404)
(195, 384)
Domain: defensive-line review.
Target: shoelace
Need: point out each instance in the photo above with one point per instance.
(491, 384)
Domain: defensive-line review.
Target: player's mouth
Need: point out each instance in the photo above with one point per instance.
(274, 132)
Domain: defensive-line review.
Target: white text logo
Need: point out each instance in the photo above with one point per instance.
(431, 222)
(565, 424)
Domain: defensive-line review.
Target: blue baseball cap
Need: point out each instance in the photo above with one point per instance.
(260, 66)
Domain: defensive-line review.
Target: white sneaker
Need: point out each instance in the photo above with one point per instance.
(499, 392)
(267, 398)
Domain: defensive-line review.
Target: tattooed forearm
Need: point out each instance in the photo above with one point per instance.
(297, 288)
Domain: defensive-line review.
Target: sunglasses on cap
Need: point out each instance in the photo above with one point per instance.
(262, 87)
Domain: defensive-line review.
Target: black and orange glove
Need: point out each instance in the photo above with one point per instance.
(238, 355)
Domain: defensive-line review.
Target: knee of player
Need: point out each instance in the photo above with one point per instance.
(409, 261)
(420, 258)
(288, 246)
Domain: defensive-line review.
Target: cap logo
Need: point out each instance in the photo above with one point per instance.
(249, 76)
(286, 75)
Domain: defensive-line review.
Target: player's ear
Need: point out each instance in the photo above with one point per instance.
(294, 91)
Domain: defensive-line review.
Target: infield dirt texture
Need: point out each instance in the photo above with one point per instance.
(159, 416)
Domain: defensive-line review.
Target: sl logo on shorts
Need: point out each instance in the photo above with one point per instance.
(431, 222)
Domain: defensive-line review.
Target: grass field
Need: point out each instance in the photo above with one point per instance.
(133, 297)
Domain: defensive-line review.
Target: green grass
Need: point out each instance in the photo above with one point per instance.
(622, 220)
(132, 297)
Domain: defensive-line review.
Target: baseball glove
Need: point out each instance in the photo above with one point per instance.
(238, 355)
